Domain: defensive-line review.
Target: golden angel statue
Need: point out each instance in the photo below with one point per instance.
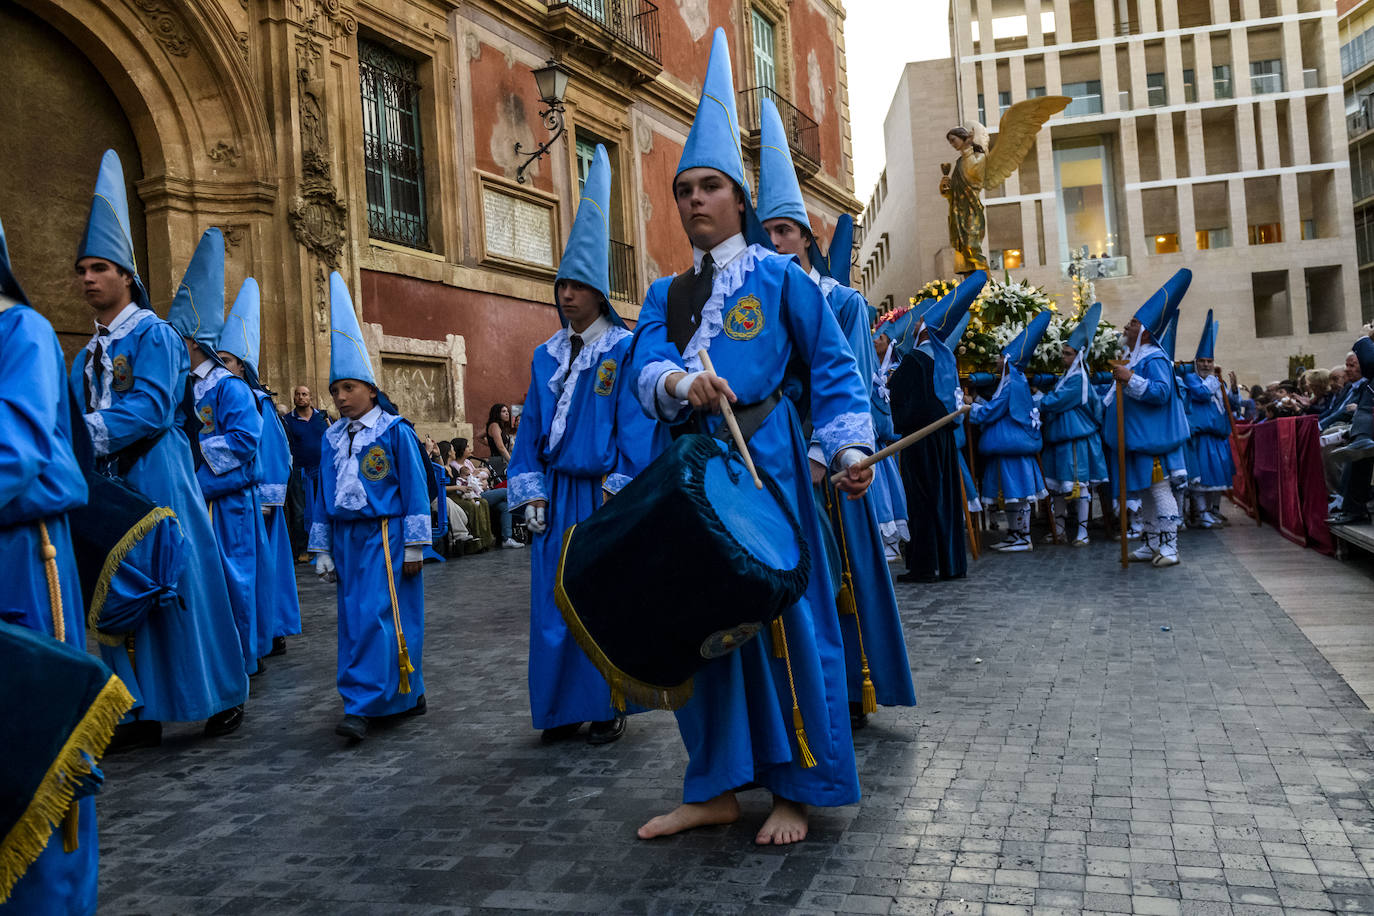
(983, 164)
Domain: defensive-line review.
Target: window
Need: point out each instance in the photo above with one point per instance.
(1266, 233)
(1035, 92)
(1269, 293)
(982, 110)
(1155, 94)
(593, 9)
(1087, 98)
(1189, 90)
(1357, 52)
(586, 152)
(1221, 81)
(1213, 238)
(1003, 103)
(1266, 76)
(765, 73)
(1087, 217)
(1325, 299)
(1163, 244)
(393, 154)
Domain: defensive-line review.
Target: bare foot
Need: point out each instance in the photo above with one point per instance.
(723, 809)
(787, 824)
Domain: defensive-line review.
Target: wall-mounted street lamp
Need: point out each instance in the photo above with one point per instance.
(552, 81)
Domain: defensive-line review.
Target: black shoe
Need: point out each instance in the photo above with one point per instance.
(1346, 518)
(261, 668)
(135, 734)
(857, 717)
(418, 709)
(1359, 448)
(608, 731)
(917, 577)
(278, 646)
(560, 733)
(224, 722)
(352, 727)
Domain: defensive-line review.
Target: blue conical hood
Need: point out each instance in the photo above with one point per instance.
(9, 283)
(903, 329)
(1168, 341)
(107, 234)
(840, 256)
(198, 310)
(1206, 347)
(347, 352)
(779, 191)
(1022, 349)
(1154, 314)
(957, 334)
(587, 256)
(242, 329)
(1083, 335)
(714, 141)
(942, 317)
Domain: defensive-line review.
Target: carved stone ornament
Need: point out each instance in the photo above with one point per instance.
(166, 26)
(324, 18)
(234, 235)
(223, 152)
(319, 219)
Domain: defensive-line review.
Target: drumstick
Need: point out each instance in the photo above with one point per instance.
(733, 424)
(903, 442)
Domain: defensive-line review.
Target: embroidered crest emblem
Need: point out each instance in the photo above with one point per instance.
(375, 463)
(605, 377)
(722, 642)
(744, 320)
(122, 374)
(207, 418)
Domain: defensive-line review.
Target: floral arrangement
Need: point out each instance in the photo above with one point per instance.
(998, 314)
(935, 289)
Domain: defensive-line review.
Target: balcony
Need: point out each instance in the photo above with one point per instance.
(621, 33)
(624, 276)
(1098, 268)
(803, 134)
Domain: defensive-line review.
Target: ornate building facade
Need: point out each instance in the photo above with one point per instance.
(378, 139)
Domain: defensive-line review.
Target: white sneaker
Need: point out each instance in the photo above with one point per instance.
(1145, 553)
(512, 544)
(1133, 534)
(1005, 543)
(1204, 520)
(1019, 543)
(1165, 559)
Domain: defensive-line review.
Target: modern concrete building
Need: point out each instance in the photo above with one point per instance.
(378, 138)
(1357, 72)
(1204, 134)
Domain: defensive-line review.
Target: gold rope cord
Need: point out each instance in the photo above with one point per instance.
(71, 822)
(847, 602)
(402, 653)
(808, 761)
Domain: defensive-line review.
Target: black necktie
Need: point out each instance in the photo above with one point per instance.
(97, 371)
(683, 318)
(575, 344)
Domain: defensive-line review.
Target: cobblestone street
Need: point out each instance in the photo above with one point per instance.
(1150, 741)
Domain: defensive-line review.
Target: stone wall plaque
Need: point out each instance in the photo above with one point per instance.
(420, 387)
(517, 227)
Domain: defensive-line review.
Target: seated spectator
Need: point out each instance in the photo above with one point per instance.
(1316, 393)
(498, 436)
(1357, 456)
(478, 480)
(466, 493)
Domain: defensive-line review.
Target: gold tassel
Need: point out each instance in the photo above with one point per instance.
(779, 638)
(402, 653)
(1157, 474)
(807, 760)
(1076, 493)
(49, 554)
(70, 825)
(870, 693)
(618, 696)
(844, 601)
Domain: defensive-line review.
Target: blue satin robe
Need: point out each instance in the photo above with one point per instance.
(1010, 442)
(276, 564)
(603, 436)
(40, 481)
(187, 665)
(886, 491)
(737, 727)
(1212, 467)
(386, 462)
(1073, 437)
(230, 432)
(1156, 427)
(879, 624)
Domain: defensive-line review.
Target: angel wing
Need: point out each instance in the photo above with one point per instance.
(1016, 134)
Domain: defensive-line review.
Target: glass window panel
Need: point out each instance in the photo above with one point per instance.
(393, 161)
(1086, 210)
(765, 74)
(1087, 98)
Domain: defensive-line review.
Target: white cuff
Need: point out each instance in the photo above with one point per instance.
(414, 555)
(1136, 386)
(816, 453)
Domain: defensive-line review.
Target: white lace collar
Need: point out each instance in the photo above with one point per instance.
(348, 487)
(727, 281)
(124, 324)
(563, 382)
(722, 254)
(209, 380)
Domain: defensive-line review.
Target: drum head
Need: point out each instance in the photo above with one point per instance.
(756, 520)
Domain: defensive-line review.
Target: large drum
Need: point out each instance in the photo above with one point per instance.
(688, 562)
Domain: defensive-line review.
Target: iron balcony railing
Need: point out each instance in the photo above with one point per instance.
(624, 276)
(803, 134)
(634, 22)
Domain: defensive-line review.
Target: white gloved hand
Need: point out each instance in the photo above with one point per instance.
(324, 565)
(534, 518)
(684, 385)
(849, 456)
(414, 555)
(958, 398)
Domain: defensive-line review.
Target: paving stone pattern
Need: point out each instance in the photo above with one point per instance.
(1093, 761)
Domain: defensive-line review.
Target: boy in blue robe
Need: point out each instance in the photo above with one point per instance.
(584, 434)
(239, 344)
(1010, 441)
(1073, 462)
(772, 715)
(183, 665)
(875, 646)
(1212, 468)
(39, 482)
(371, 526)
(925, 388)
(1155, 425)
(229, 428)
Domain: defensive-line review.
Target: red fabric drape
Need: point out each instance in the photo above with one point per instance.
(1243, 453)
(1279, 474)
(1312, 484)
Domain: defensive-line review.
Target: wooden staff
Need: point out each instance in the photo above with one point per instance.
(968, 448)
(968, 518)
(733, 424)
(870, 460)
(1121, 510)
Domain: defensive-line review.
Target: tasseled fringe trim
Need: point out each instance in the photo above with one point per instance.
(803, 748)
(1157, 473)
(407, 669)
(779, 638)
(112, 560)
(49, 806)
(807, 759)
(870, 693)
(624, 688)
(844, 601)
